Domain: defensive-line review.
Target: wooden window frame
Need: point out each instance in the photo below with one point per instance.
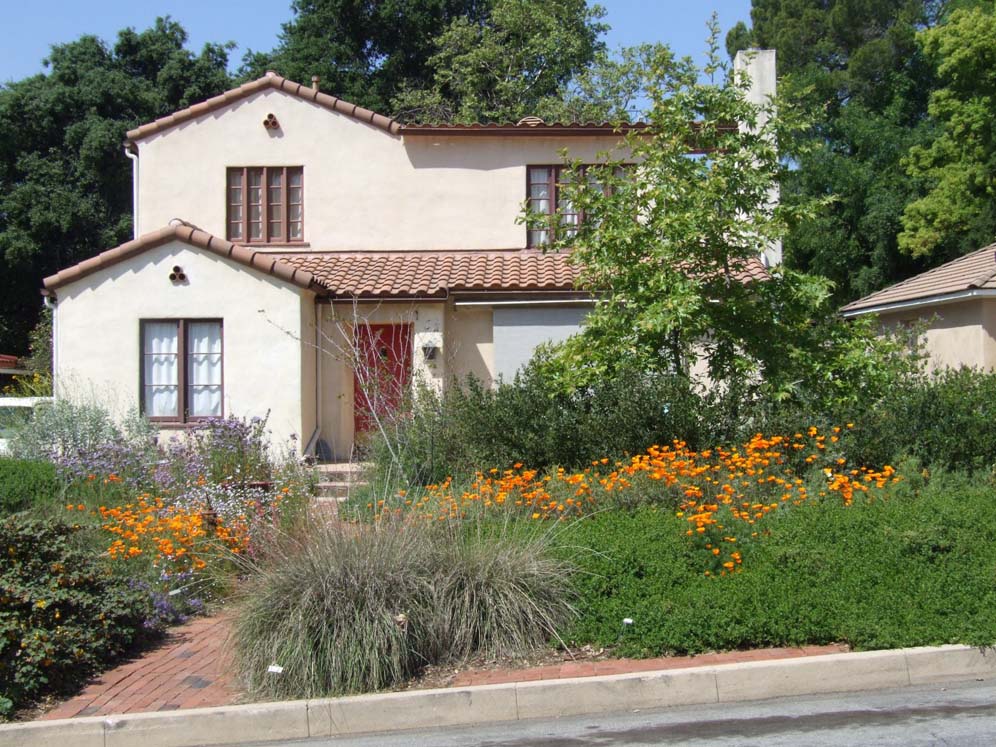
(183, 415)
(554, 171)
(265, 237)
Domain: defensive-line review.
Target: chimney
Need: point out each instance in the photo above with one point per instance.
(759, 65)
(315, 81)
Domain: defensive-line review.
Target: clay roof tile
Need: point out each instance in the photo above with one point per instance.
(973, 271)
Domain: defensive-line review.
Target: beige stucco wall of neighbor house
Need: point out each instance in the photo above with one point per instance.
(98, 347)
(364, 189)
(955, 334)
(989, 333)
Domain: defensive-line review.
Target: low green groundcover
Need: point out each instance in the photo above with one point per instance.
(915, 569)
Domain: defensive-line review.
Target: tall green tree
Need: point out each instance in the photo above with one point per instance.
(365, 52)
(65, 185)
(958, 168)
(857, 66)
(502, 67)
(667, 242)
(612, 88)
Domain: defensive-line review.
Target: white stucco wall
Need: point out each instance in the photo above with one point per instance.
(519, 331)
(98, 343)
(469, 346)
(364, 189)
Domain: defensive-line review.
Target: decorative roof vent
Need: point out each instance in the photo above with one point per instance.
(530, 121)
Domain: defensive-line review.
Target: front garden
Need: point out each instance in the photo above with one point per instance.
(733, 531)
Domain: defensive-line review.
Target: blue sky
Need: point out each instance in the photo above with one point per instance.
(32, 27)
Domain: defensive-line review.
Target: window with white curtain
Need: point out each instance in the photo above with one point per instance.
(182, 369)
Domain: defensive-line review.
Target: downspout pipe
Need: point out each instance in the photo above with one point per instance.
(50, 303)
(132, 152)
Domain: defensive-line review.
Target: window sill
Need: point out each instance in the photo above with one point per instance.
(176, 425)
(274, 245)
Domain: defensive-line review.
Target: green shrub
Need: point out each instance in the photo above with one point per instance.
(62, 615)
(913, 570)
(526, 420)
(24, 482)
(355, 608)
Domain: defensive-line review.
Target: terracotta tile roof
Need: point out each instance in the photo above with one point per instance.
(374, 274)
(8, 361)
(528, 127)
(435, 274)
(178, 230)
(975, 271)
(270, 80)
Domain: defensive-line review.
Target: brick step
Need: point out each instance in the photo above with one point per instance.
(338, 489)
(347, 473)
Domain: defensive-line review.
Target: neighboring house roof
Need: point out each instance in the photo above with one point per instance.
(180, 231)
(435, 274)
(531, 126)
(969, 276)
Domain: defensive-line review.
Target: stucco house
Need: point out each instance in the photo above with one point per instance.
(284, 236)
(954, 303)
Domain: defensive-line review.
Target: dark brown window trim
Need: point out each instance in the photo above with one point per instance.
(553, 198)
(264, 205)
(182, 418)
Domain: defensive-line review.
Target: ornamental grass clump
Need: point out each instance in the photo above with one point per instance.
(355, 608)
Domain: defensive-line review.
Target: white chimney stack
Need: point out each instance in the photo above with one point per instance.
(759, 64)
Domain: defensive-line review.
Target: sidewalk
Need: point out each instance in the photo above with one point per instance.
(718, 679)
(189, 670)
(572, 669)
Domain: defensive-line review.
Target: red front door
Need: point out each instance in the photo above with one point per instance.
(383, 373)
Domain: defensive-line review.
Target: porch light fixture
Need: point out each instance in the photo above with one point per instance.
(429, 352)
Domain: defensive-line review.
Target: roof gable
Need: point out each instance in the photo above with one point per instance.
(269, 81)
(180, 231)
(529, 126)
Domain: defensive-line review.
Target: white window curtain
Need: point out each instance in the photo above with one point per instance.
(161, 372)
(204, 369)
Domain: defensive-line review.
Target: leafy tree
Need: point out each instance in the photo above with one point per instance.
(500, 68)
(857, 67)
(609, 89)
(664, 243)
(364, 52)
(958, 212)
(65, 186)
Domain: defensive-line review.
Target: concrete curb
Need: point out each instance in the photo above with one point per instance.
(725, 683)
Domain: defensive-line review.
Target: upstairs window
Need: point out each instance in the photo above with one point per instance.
(545, 196)
(266, 204)
(181, 369)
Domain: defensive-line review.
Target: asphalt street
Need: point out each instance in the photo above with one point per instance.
(962, 714)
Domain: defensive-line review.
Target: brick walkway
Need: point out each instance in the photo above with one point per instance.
(627, 666)
(189, 670)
